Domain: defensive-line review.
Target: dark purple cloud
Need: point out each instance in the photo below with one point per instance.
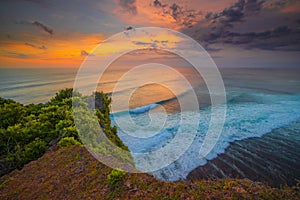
(39, 25)
(157, 3)
(179, 13)
(281, 38)
(43, 27)
(235, 13)
(224, 26)
(175, 11)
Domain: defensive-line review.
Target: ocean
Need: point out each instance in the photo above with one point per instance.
(260, 139)
(34, 85)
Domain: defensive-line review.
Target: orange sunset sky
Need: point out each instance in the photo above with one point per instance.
(237, 33)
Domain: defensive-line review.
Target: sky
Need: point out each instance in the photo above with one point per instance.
(236, 33)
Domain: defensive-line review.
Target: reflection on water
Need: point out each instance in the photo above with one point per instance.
(34, 85)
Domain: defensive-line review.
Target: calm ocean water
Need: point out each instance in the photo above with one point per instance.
(259, 101)
(34, 85)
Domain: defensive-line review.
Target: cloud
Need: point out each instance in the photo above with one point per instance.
(39, 25)
(220, 23)
(43, 27)
(35, 46)
(16, 55)
(235, 13)
(175, 11)
(85, 53)
(282, 38)
(180, 13)
(142, 43)
(129, 28)
(157, 3)
(153, 44)
(279, 4)
(129, 6)
(212, 49)
(274, 33)
(231, 26)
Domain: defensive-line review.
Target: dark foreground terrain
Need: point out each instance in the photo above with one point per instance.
(72, 173)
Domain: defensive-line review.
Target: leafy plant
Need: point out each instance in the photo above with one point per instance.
(68, 141)
(34, 150)
(64, 94)
(116, 177)
(26, 131)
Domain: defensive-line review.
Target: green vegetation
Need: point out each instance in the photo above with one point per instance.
(116, 177)
(103, 115)
(27, 131)
(68, 141)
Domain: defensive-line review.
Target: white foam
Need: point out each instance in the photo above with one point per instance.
(243, 120)
(143, 109)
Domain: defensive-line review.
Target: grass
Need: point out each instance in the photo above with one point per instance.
(72, 173)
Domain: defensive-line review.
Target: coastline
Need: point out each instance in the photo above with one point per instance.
(273, 159)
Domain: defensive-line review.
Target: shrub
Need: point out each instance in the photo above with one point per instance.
(68, 141)
(64, 94)
(33, 150)
(21, 125)
(116, 177)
